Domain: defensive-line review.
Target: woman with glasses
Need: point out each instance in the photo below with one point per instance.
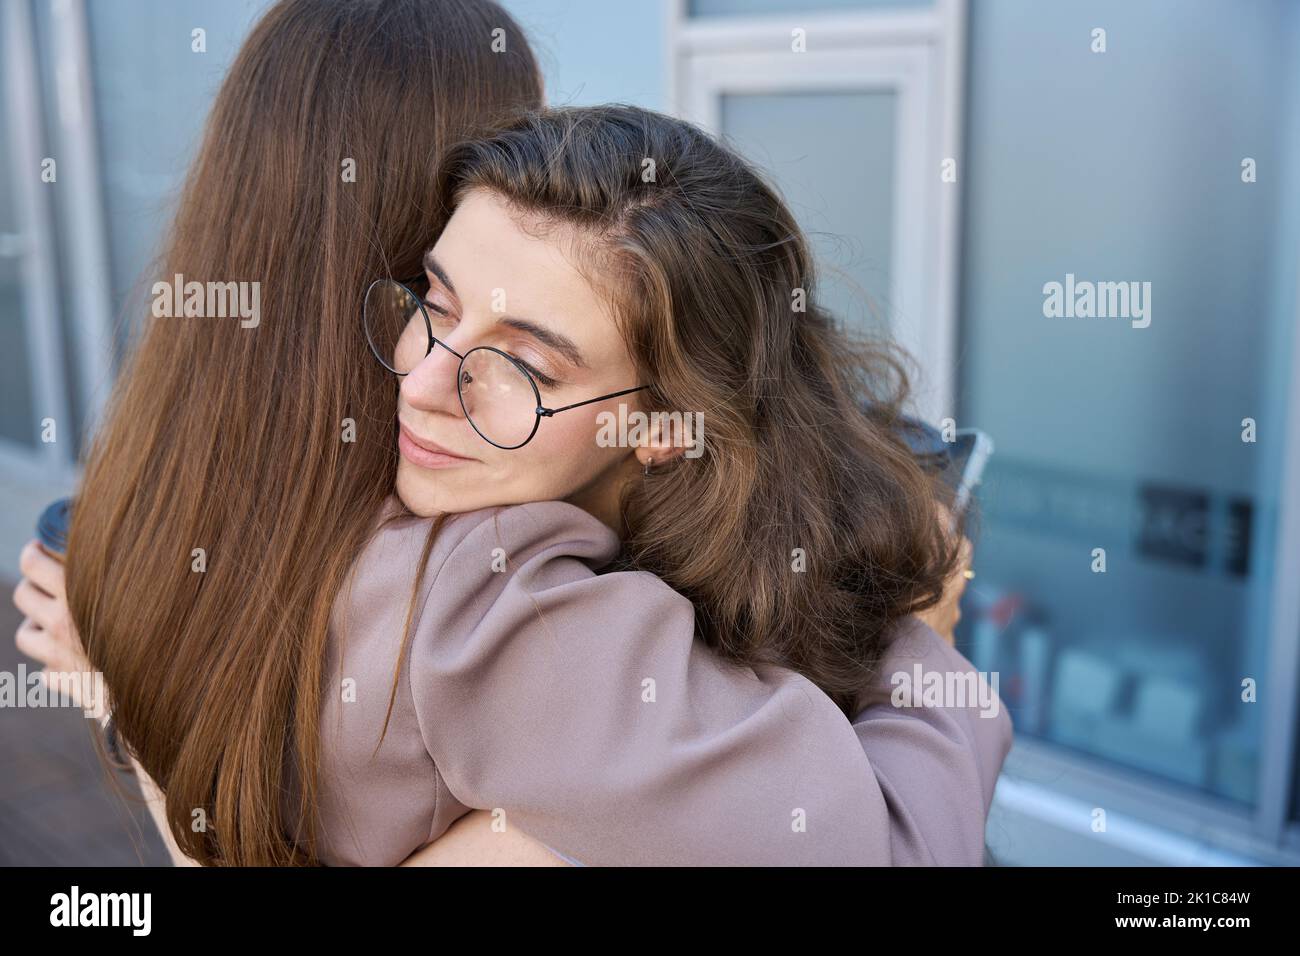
(692, 705)
(562, 287)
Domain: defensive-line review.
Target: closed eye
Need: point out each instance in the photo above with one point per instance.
(544, 380)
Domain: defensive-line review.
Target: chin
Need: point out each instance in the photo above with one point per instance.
(427, 496)
(421, 497)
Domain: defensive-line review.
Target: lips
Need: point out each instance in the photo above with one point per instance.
(426, 453)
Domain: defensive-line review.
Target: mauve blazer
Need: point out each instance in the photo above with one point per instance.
(582, 707)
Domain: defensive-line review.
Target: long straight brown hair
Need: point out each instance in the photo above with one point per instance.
(807, 529)
(314, 177)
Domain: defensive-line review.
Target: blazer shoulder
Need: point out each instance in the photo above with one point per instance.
(399, 539)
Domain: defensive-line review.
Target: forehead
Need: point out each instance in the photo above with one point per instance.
(491, 250)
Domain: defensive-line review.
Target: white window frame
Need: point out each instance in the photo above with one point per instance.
(32, 476)
(33, 246)
(917, 55)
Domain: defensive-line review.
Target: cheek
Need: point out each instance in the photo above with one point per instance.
(561, 459)
(564, 456)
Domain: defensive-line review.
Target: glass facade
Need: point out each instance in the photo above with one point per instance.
(1125, 565)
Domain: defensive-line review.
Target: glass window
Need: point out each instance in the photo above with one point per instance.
(1156, 443)
(832, 154)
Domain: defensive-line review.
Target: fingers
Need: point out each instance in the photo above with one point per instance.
(945, 616)
(47, 633)
(957, 583)
(965, 554)
(42, 570)
(945, 517)
(41, 646)
(38, 605)
(960, 580)
(55, 659)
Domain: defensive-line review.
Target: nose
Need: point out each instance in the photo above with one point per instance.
(431, 385)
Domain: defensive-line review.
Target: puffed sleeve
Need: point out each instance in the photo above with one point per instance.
(582, 706)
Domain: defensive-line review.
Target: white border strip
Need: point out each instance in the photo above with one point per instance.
(1123, 832)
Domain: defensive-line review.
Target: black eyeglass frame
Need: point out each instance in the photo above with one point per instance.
(540, 410)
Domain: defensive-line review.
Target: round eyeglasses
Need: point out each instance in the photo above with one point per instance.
(499, 396)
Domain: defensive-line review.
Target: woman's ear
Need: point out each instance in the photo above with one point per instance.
(663, 443)
(651, 456)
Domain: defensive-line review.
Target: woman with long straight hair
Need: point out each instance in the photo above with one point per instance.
(235, 541)
(314, 174)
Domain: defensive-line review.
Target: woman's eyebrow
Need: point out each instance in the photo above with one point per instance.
(548, 337)
(432, 265)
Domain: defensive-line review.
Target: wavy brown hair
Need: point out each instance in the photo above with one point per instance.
(230, 439)
(713, 285)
